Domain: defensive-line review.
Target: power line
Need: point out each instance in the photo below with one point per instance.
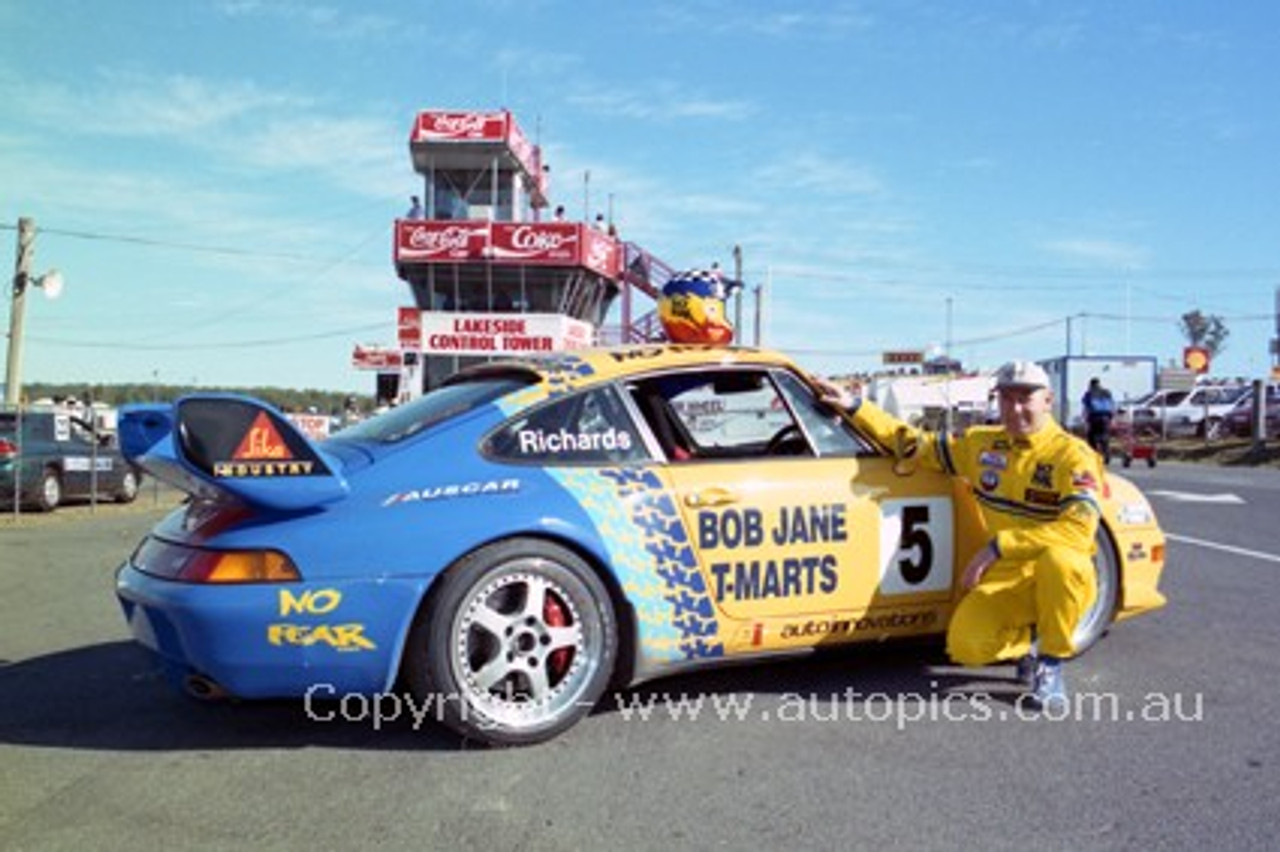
(1071, 273)
(237, 344)
(195, 247)
(811, 273)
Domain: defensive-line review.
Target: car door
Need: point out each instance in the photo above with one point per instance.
(802, 533)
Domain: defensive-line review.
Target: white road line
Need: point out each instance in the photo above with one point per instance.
(1188, 497)
(1226, 548)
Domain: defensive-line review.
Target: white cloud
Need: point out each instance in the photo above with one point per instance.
(1102, 252)
(663, 102)
(811, 172)
(329, 22)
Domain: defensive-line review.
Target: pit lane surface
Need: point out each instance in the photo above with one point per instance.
(886, 746)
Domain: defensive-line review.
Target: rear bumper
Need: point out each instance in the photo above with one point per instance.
(273, 640)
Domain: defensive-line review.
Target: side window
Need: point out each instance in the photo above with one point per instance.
(732, 414)
(62, 430)
(829, 432)
(591, 427)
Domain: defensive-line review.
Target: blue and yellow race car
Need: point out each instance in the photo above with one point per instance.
(528, 535)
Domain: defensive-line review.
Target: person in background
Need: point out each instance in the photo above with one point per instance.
(415, 208)
(1036, 486)
(559, 214)
(1099, 408)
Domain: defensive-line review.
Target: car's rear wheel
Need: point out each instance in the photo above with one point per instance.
(49, 497)
(1097, 620)
(128, 490)
(516, 645)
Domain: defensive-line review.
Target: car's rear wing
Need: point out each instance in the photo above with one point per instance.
(220, 446)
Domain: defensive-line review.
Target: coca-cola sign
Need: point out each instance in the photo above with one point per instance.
(460, 125)
(409, 328)
(439, 240)
(376, 358)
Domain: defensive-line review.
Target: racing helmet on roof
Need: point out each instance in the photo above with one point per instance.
(692, 307)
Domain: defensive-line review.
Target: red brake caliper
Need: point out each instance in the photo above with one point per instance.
(553, 613)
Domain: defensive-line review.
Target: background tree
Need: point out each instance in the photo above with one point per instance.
(1206, 331)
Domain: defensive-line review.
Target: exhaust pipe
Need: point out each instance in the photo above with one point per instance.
(202, 688)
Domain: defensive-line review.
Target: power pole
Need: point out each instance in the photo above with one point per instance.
(756, 341)
(737, 296)
(21, 277)
(1275, 341)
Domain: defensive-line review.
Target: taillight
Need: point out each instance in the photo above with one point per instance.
(8, 450)
(200, 565)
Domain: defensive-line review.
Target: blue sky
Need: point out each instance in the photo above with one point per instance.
(217, 180)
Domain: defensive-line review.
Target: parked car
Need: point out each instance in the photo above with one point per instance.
(1239, 420)
(1181, 413)
(60, 457)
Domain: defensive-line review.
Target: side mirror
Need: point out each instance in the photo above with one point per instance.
(905, 447)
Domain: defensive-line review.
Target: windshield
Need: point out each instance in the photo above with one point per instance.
(434, 407)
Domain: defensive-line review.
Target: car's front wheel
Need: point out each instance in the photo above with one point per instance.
(49, 497)
(128, 490)
(1097, 620)
(516, 645)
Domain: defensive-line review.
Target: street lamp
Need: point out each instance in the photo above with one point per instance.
(50, 283)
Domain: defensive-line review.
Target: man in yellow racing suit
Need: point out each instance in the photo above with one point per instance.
(1036, 486)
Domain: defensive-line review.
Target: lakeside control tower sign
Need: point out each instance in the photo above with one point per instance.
(501, 334)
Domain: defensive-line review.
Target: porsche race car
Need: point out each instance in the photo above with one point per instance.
(529, 535)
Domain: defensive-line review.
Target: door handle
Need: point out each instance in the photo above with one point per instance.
(713, 496)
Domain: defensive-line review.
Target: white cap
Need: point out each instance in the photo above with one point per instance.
(1021, 374)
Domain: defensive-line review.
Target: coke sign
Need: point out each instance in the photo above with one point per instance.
(438, 241)
(546, 242)
(409, 328)
(482, 126)
(376, 358)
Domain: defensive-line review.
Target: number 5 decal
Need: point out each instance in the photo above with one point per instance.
(916, 551)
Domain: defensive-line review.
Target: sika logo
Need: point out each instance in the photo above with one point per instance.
(262, 441)
(532, 239)
(449, 239)
(262, 453)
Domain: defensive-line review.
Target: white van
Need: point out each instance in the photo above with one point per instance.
(1181, 413)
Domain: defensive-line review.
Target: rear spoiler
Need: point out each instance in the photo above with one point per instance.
(226, 446)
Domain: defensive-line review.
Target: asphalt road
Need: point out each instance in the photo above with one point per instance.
(887, 746)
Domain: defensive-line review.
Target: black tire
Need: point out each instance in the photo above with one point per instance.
(128, 490)
(49, 497)
(1097, 620)
(516, 644)
(1126, 460)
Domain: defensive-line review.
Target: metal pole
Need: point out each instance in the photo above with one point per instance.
(93, 450)
(21, 278)
(946, 385)
(737, 295)
(1258, 420)
(17, 467)
(759, 321)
